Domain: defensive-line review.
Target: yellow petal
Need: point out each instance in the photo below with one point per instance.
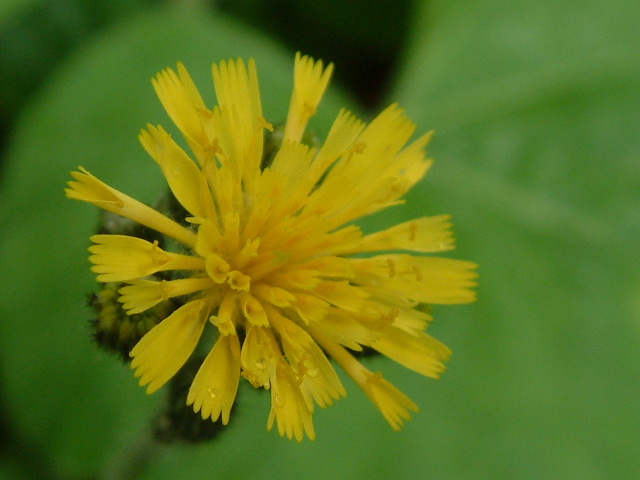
(225, 320)
(89, 189)
(295, 279)
(217, 268)
(253, 310)
(344, 131)
(246, 253)
(291, 161)
(385, 136)
(144, 294)
(392, 403)
(168, 345)
(274, 295)
(341, 327)
(331, 266)
(267, 196)
(182, 101)
(310, 308)
(230, 241)
(119, 258)
(310, 80)
(238, 97)
(381, 311)
(288, 406)
(319, 380)
(420, 279)
(426, 234)
(375, 173)
(418, 351)
(258, 356)
(214, 387)
(412, 320)
(183, 176)
(207, 241)
(341, 294)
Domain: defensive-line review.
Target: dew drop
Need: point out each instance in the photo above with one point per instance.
(261, 364)
(213, 392)
(313, 372)
(277, 399)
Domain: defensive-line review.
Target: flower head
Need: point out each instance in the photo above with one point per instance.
(268, 256)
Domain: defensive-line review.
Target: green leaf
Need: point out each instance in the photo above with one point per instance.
(74, 405)
(9, 8)
(537, 156)
(35, 35)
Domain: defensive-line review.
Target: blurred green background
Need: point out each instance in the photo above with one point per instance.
(536, 109)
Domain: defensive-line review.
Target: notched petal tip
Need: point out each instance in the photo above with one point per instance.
(310, 80)
(214, 387)
(289, 408)
(166, 347)
(392, 403)
(88, 188)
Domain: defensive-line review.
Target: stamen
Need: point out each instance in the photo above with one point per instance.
(249, 251)
(358, 147)
(158, 256)
(226, 314)
(216, 268)
(389, 317)
(213, 149)
(264, 124)
(417, 272)
(392, 267)
(254, 311)
(239, 281)
(308, 109)
(413, 231)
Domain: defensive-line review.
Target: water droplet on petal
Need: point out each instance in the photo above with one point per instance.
(261, 364)
(213, 392)
(313, 372)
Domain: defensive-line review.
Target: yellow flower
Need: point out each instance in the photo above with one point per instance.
(269, 256)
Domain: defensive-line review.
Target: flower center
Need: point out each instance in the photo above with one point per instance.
(239, 281)
(221, 272)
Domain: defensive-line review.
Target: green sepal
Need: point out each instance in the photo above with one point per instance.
(177, 422)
